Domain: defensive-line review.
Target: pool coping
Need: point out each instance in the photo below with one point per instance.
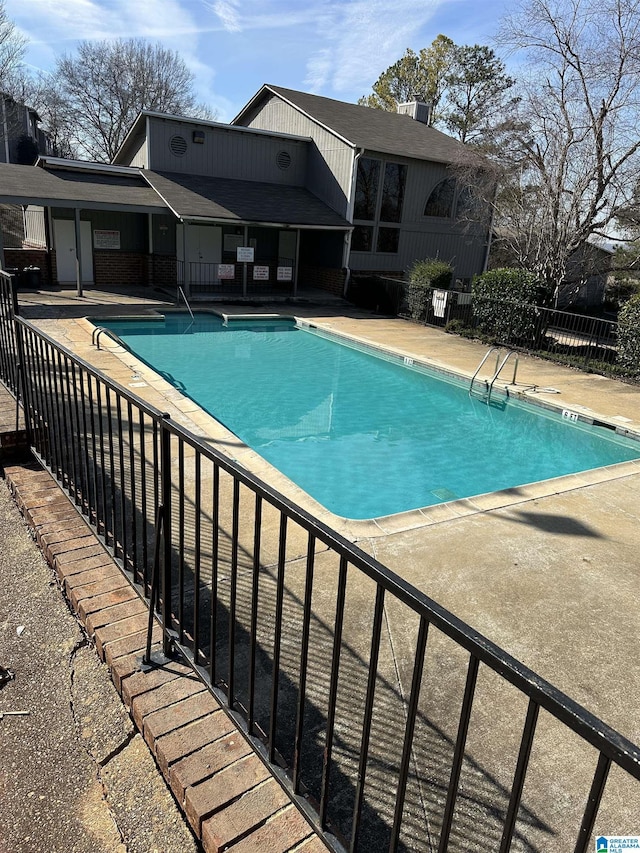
(212, 431)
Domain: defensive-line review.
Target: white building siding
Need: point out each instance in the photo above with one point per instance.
(139, 153)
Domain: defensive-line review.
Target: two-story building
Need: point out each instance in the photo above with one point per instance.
(22, 140)
(295, 192)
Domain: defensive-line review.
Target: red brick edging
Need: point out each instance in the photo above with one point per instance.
(228, 795)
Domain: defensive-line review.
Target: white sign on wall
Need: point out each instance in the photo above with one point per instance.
(244, 254)
(232, 241)
(226, 271)
(106, 239)
(260, 273)
(285, 273)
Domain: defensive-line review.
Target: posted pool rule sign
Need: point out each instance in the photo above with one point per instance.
(244, 254)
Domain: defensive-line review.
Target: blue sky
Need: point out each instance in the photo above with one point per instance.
(335, 48)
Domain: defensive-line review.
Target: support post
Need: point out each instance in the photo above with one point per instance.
(186, 262)
(245, 242)
(296, 264)
(78, 253)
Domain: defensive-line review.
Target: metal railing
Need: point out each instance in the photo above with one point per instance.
(573, 339)
(286, 621)
(203, 278)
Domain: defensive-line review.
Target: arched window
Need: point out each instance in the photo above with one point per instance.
(467, 204)
(440, 202)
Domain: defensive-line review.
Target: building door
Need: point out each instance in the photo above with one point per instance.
(203, 253)
(64, 240)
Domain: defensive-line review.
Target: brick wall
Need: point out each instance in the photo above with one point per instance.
(111, 267)
(324, 278)
(163, 270)
(22, 258)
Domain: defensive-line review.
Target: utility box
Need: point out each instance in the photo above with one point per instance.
(31, 278)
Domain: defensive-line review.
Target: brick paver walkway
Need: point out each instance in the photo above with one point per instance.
(228, 794)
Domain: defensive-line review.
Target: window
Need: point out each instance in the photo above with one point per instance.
(468, 204)
(362, 238)
(379, 197)
(440, 202)
(393, 192)
(388, 239)
(366, 189)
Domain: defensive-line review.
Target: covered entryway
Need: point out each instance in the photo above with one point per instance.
(244, 238)
(99, 219)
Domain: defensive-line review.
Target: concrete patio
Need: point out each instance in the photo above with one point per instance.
(549, 572)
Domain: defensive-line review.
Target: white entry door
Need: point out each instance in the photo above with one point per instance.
(64, 238)
(202, 252)
(204, 244)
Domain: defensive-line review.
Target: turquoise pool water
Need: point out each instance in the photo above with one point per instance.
(364, 435)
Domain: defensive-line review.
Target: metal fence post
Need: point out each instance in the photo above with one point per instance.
(21, 377)
(165, 493)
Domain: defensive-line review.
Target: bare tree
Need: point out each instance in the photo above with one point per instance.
(97, 93)
(12, 48)
(573, 158)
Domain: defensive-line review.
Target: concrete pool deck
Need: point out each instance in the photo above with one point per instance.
(550, 573)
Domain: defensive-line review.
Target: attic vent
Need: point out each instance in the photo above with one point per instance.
(178, 145)
(283, 159)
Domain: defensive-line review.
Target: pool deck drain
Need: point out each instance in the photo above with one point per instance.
(227, 793)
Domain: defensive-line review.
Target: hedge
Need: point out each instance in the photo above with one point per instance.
(629, 336)
(504, 305)
(424, 275)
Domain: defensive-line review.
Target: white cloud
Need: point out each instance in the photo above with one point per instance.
(360, 38)
(228, 12)
(53, 22)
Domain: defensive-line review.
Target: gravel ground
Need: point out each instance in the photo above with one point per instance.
(75, 777)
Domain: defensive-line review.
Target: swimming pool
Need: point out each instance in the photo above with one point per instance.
(361, 432)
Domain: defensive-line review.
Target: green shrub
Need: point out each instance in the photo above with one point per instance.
(504, 305)
(425, 274)
(629, 336)
(459, 327)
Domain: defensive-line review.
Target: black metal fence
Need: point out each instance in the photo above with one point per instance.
(574, 339)
(237, 279)
(414, 742)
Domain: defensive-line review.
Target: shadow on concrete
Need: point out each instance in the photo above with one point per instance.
(561, 525)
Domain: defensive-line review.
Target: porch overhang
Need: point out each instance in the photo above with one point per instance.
(202, 199)
(207, 220)
(77, 190)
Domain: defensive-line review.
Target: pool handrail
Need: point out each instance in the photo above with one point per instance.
(99, 330)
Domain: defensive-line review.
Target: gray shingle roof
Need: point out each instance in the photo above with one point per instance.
(192, 196)
(31, 185)
(377, 130)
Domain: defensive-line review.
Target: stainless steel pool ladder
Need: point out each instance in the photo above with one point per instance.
(186, 302)
(102, 330)
(488, 384)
